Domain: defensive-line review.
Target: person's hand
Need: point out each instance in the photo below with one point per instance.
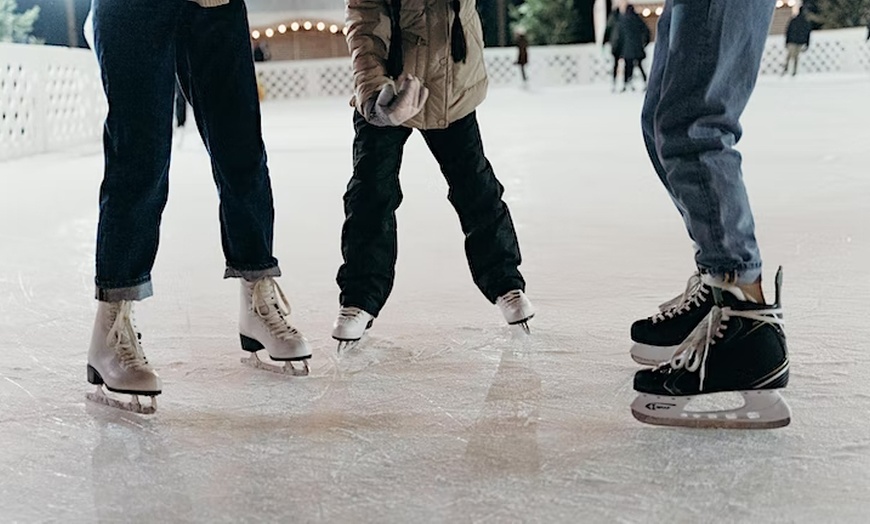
(390, 108)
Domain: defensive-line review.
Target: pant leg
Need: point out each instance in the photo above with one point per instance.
(795, 51)
(713, 57)
(368, 237)
(491, 244)
(629, 72)
(216, 70)
(651, 101)
(797, 56)
(180, 108)
(642, 72)
(135, 45)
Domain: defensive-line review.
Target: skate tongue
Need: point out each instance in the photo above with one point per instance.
(725, 295)
(728, 297)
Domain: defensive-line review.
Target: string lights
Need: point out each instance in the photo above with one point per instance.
(322, 26)
(647, 12)
(296, 26)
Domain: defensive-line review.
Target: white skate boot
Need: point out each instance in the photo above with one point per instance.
(349, 327)
(116, 360)
(516, 308)
(264, 323)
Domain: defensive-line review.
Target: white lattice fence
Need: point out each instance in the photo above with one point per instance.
(863, 57)
(50, 97)
(831, 52)
(305, 78)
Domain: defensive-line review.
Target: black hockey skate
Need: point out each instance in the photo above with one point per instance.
(657, 337)
(740, 347)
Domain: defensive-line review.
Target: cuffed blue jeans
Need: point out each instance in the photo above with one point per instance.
(707, 57)
(142, 45)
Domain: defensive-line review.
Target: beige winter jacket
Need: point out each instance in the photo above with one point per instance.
(455, 89)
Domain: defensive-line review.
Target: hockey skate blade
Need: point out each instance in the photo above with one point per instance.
(647, 355)
(288, 368)
(99, 396)
(762, 409)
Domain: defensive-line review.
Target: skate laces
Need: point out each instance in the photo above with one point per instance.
(349, 314)
(694, 293)
(691, 355)
(124, 339)
(512, 298)
(272, 306)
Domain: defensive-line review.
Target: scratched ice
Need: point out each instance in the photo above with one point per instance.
(443, 414)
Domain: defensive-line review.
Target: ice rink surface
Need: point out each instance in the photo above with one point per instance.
(443, 414)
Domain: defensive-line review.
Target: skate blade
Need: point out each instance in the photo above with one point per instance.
(346, 345)
(647, 355)
(523, 324)
(287, 369)
(134, 406)
(762, 409)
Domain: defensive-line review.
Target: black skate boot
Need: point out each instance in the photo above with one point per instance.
(657, 337)
(739, 347)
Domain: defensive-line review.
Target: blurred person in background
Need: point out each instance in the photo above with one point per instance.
(180, 106)
(522, 52)
(632, 38)
(611, 35)
(797, 40)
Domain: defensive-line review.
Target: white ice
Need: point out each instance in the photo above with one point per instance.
(443, 414)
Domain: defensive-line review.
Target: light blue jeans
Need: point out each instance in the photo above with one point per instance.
(707, 57)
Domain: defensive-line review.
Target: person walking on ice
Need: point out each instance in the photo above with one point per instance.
(719, 334)
(522, 44)
(142, 45)
(418, 65)
(797, 40)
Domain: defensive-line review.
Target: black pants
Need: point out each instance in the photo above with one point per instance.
(180, 107)
(629, 70)
(368, 238)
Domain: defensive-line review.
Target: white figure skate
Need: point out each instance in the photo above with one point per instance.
(117, 362)
(264, 323)
(349, 327)
(516, 308)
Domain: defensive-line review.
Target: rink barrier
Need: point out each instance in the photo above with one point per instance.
(835, 51)
(51, 97)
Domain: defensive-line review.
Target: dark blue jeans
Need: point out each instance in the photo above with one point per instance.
(142, 45)
(706, 62)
